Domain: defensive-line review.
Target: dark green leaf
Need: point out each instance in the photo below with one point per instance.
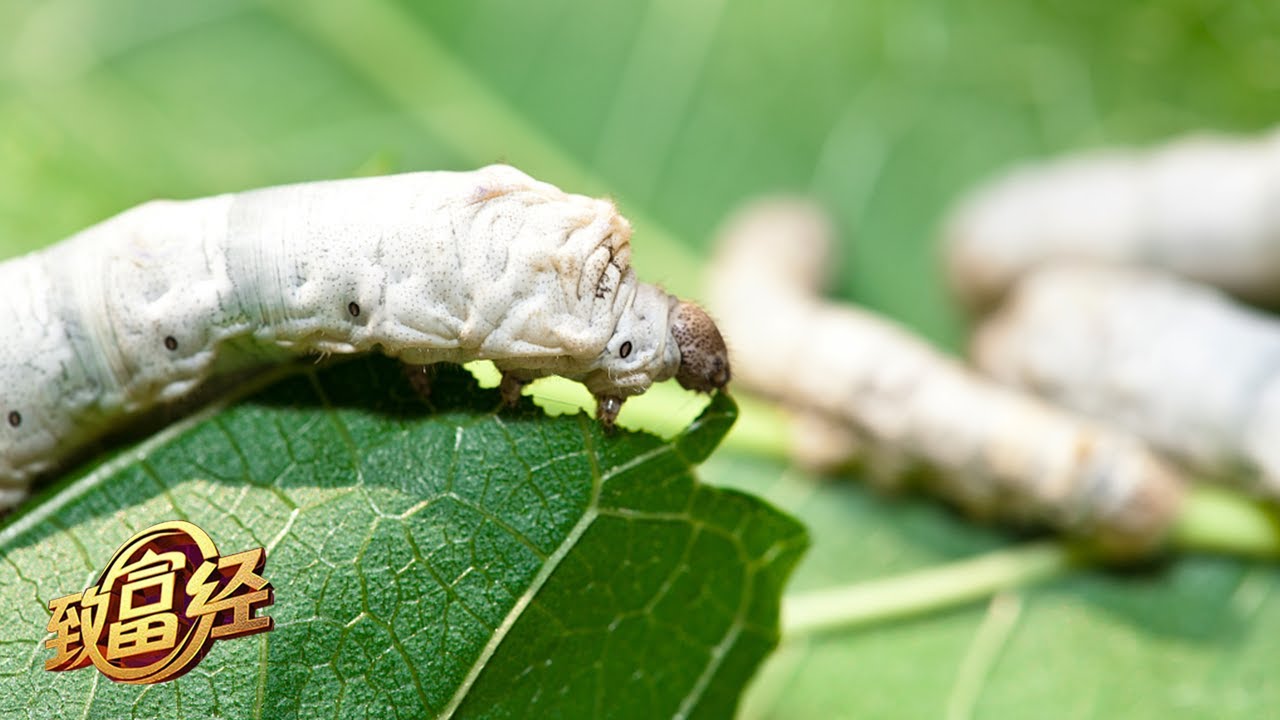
(425, 559)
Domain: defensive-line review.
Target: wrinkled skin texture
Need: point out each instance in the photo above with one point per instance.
(425, 267)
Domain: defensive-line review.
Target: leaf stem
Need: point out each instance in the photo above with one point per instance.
(1218, 520)
(926, 591)
(1213, 520)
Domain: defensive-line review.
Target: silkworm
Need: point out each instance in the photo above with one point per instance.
(1177, 363)
(912, 413)
(1204, 207)
(425, 267)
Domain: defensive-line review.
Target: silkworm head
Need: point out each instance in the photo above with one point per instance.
(704, 359)
(640, 351)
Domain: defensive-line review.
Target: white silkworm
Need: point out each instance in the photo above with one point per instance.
(1205, 207)
(1176, 363)
(426, 267)
(904, 407)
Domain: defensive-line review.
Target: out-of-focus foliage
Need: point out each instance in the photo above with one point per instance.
(884, 110)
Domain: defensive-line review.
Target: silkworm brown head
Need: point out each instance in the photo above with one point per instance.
(704, 359)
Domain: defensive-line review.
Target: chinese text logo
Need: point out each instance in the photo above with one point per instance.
(163, 599)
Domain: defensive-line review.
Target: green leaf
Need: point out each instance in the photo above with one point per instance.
(1188, 637)
(426, 559)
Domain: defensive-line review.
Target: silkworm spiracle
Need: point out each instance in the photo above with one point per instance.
(426, 267)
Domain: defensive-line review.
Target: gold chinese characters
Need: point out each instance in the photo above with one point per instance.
(162, 600)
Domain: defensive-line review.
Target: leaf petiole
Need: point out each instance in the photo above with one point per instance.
(926, 591)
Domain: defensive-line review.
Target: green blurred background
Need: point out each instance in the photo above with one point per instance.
(883, 110)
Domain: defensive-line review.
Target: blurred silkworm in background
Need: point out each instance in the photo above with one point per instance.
(1206, 207)
(912, 412)
(1177, 363)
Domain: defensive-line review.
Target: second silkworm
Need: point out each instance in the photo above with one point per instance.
(1179, 364)
(914, 412)
(1203, 207)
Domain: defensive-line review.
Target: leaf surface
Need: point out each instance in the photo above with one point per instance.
(427, 559)
(1187, 637)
